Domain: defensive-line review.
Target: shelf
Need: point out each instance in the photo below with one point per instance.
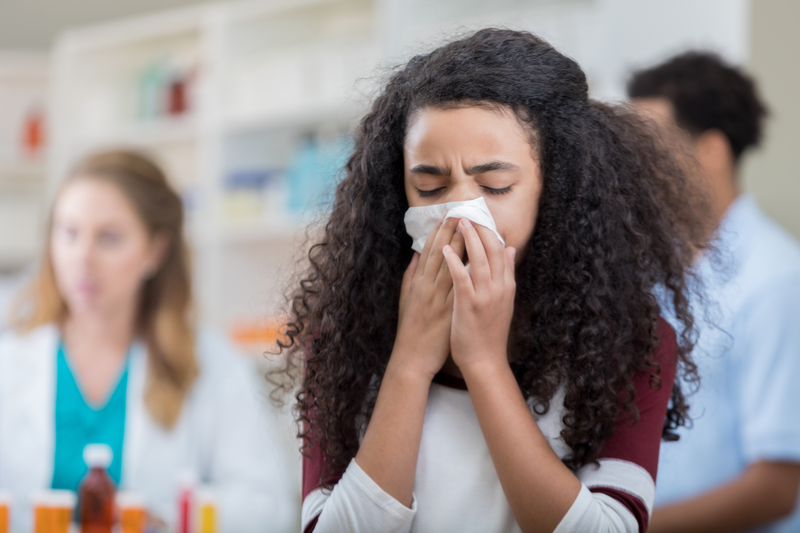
(152, 133)
(297, 64)
(246, 11)
(22, 175)
(135, 30)
(21, 222)
(245, 233)
(259, 26)
(265, 74)
(22, 168)
(16, 261)
(295, 119)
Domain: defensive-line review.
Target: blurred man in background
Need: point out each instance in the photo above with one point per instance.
(737, 468)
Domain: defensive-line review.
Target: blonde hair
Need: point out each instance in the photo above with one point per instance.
(165, 319)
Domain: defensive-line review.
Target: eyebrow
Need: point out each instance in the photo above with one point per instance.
(492, 166)
(433, 170)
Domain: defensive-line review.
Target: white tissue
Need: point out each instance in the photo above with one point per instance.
(421, 221)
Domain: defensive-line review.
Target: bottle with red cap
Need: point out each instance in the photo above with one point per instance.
(97, 491)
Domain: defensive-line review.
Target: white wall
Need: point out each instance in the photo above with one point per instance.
(772, 173)
(639, 33)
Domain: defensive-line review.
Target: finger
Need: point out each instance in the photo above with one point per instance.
(444, 278)
(494, 251)
(451, 297)
(435, 256)
(426, 250)
(458, 245)
(411, 269)
(462, 283)
(408, 275)
(479, 263)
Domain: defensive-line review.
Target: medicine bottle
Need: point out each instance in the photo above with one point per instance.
(96, 494)
(5, 506)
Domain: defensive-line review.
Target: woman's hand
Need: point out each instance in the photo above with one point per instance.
(483, 298)
(539, 488)
(426, 305)
(390, 448)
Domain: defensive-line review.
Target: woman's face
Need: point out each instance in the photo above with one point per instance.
(100, 248)
(453, 155)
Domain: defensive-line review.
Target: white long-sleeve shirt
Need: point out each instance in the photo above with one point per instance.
(456, 487)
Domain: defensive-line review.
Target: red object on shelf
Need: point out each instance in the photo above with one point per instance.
(33, 133)
(180, 92)
(177, 102)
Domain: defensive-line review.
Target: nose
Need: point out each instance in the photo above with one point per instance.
(462, 188)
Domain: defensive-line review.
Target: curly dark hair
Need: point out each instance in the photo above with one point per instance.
(706, 93)
(618, 224)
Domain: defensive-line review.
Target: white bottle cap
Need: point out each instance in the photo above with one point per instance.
(55, 498)
(206, 496)
(187, 478)
(65, 499)
(5, 499)
(98, 455)
(127, 499)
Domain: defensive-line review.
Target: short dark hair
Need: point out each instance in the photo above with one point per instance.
(706, 93)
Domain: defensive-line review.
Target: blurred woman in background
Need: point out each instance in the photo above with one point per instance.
(105, 350)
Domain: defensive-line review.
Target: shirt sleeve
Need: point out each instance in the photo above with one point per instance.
(767, 346)
(355, 504)
(619, 490)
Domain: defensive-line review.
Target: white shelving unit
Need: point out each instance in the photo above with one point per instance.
(23, 98)
(267, 92)
(268, 83)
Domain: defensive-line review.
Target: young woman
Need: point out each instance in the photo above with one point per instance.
(106, 351)
(529, 392)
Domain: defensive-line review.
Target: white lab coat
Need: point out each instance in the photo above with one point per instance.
(225, 434)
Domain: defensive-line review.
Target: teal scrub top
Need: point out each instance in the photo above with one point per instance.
(78, 423)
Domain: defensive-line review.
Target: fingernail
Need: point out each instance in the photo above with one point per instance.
(447, 248)
(466, 222)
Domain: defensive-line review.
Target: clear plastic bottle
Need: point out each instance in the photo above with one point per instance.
(97, 491)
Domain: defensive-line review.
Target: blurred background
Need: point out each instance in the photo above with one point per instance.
(248, 105)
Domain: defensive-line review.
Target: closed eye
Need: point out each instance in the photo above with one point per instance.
(504, 190)
(432, 192)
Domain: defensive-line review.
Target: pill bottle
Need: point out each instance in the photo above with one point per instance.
(5, 512)
(132, 512)
(53, 511)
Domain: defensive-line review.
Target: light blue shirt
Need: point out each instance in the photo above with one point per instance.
(748, 355)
